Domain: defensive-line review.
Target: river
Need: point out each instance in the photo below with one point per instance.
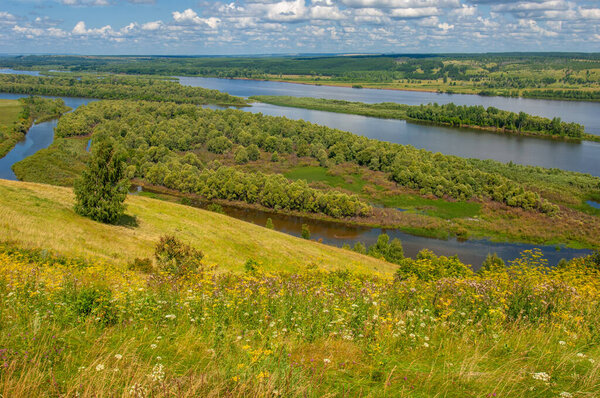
(38, 137)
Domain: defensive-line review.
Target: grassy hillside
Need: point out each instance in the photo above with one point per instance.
(36, 215)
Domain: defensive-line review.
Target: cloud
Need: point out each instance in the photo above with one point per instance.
(590, 13)
(151, 26)
(189, 16)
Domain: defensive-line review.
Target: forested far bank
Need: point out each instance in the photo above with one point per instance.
(115, 87)
(490, 118)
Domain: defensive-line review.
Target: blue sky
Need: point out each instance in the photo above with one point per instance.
(297, 26)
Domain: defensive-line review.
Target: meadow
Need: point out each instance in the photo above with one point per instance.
(82, 327)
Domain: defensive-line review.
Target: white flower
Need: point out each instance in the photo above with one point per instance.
(326, 361)
(422, 325)
(153, 346)
(426, 345)
(592, 360)
(158, 358)
(562, 343)
(118, 356)
(543, 376)
(580, 355)
(170, 316)
(99, 367)
(158, 374)
(565, 394)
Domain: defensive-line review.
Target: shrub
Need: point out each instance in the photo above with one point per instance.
(427, 266)
(215, 208)
(305, 231)
(176, 257)
(270, 223)
(251, 266)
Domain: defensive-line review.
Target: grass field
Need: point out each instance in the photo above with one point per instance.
(433, 207)
(353, 183)
(9, 112)
(36, 215)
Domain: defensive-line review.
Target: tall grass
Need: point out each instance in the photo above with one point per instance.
(77, 328)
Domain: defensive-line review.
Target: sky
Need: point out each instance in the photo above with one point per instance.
(199, 27)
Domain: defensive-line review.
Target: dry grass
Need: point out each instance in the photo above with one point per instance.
(36, 215)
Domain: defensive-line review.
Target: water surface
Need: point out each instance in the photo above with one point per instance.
(471, 252)
(585, 113)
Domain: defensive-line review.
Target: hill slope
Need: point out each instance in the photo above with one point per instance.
(36, 215)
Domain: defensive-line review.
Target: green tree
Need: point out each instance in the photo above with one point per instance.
(275, 157)
(241, 156)
(102, 187)
(305, 231)
(253, 152)
(270, 223)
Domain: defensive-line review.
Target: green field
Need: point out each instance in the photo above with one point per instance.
(9, 115)
(35, 215)
(353, 183)
(433, 207)
(9, 110)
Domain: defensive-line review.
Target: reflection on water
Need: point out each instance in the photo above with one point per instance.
(593, 204)
(471, 252)
(581, 112)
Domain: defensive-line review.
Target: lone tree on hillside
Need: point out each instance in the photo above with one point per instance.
(102, 187)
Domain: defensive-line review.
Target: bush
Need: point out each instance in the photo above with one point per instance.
(251, 266)
(427, 266)
(305, 231)
(270, 223)
(176, 257)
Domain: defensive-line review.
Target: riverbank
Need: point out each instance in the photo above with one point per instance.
(429, 114)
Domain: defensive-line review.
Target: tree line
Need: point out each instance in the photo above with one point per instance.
(115, 87)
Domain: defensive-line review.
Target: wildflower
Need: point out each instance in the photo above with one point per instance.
(153, 346)
(158, 373)
(170, 316)
(118, 356)
(326, 361)
(422, 325)
(562, 343)
(565, 394)
(592, 360)
(99, 367)
(235, 378)
(426, 345)
(580, 355)
(158, 358)
(543, 376)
